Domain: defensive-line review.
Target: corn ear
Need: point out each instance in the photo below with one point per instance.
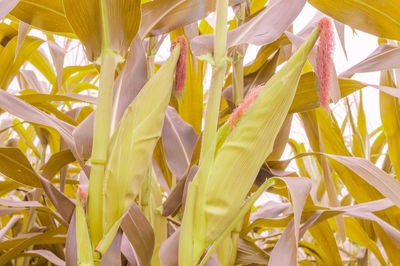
(244, 151)
(240, 157)
(134, 141)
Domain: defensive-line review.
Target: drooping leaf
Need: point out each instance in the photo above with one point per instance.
(155, 11)
(179, 141)
(56, 162)
(265, 27)
(132, 78)
(120, 22)
(44, 14)
(61, 202)
(46, 254)
(384, 57)
(15, 165)
(249, 252)
(362, 211)
(355, 232)
(163, 16)
(23, 30)
(381, 181)
(21, 109)
(11, 63)
(17, 247)
(324, 237)
(299, 189)
(378, 18)
(6, 7)
(333, 143)
(40, 61)
(113, 254)
(140, 233)
(390, 111)
(306, 97)
(57, 54)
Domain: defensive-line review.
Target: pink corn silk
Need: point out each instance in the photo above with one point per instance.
(324, 61)
(82, 194)
(214, 72)
(241, 109)
(180, 73)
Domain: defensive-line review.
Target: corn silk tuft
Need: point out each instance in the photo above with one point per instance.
(180, 73)
(241, 109)
(324, 69)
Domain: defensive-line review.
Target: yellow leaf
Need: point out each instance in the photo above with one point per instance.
(390, 114)
(47, 15)
(117, 28)
(380, 18)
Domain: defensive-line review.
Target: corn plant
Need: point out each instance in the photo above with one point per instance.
(134, 132)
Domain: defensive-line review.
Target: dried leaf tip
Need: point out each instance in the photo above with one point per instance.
(324, 69)
(180, 73)
(241, 109)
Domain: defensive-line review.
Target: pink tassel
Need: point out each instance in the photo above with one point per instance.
(180, 73)
(241, 109)
(325, 51)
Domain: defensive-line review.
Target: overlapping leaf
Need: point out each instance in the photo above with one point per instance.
(378, 18)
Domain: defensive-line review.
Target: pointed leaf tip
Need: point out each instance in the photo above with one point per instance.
(180, 74)
(324, 69)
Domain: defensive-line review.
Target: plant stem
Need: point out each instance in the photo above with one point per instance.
(237, 65)
(151, 53)
(209, 135)
(100, 145)
(214, 96)
(101, 136)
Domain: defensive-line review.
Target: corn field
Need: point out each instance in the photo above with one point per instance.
(134, 132)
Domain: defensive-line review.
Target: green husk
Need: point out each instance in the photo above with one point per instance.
(133, 143)
(83, 242)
